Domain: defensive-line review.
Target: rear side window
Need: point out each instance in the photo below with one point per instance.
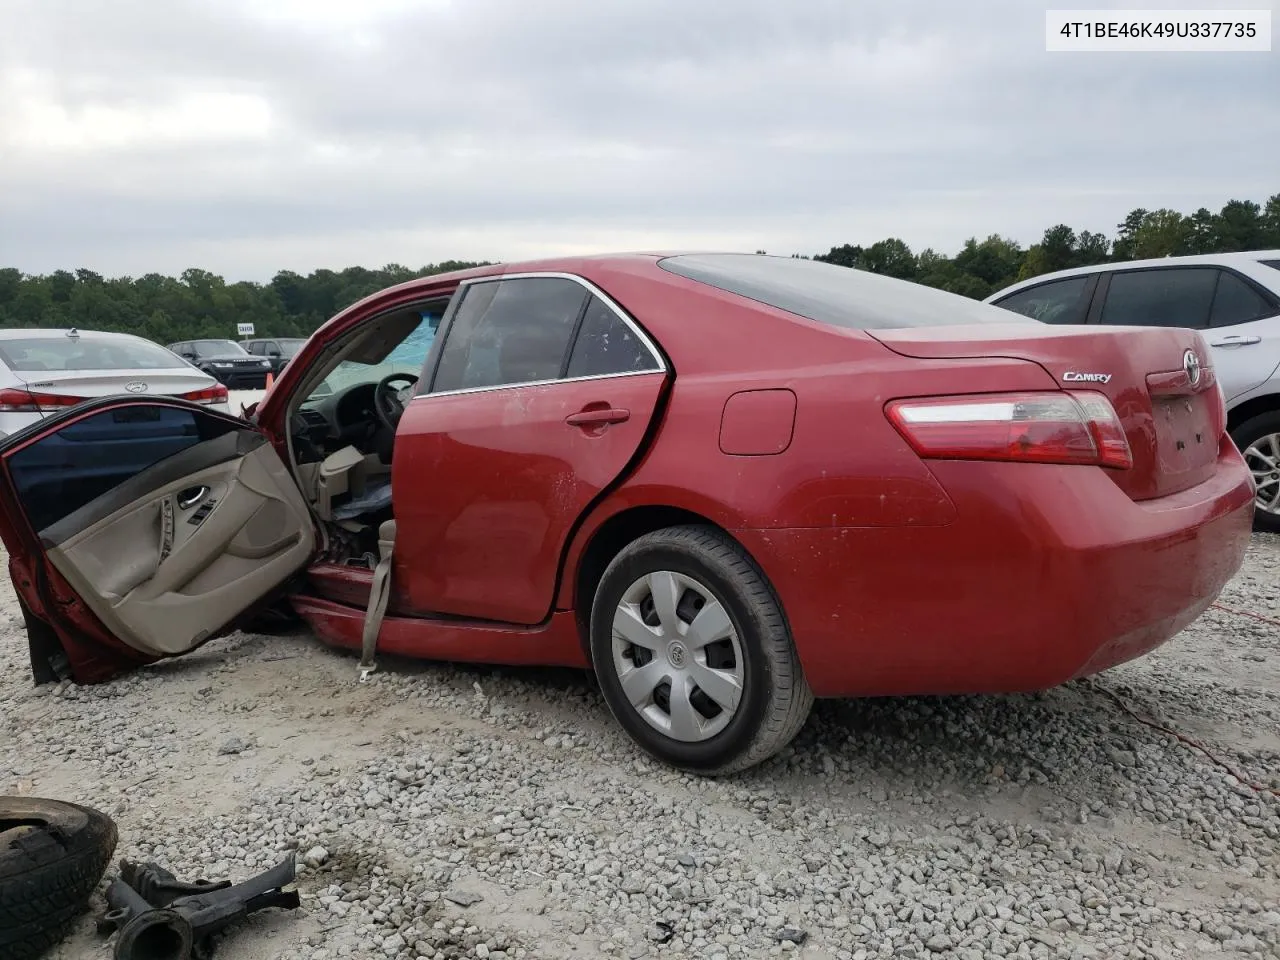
(1175, 297)
(85, 353)
(1058, 301)
(606, 345)
(64, 471)
(507, 332)
(1237, 302)
(840, 296)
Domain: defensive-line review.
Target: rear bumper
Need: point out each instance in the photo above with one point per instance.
(1049, 573)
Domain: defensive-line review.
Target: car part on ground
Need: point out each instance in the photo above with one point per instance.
(159, 917)
(1259, 439)
(52, 855)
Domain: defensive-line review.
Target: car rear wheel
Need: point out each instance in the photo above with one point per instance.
(1259, 440)
(693, 653)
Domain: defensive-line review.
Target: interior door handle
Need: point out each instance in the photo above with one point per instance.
(599, 416)
(191, 496)
(1236, 341)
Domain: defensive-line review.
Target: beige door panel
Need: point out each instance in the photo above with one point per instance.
(163, 584)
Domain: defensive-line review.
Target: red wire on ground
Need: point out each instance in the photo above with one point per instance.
(1245, 613)
(1251, 784)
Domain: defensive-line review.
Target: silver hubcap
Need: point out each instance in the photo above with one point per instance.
(677, 656)
(1263, 457)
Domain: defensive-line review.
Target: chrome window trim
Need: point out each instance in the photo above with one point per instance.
(535, 383)
(654, 353)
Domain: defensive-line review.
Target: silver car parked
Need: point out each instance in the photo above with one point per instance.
(44, 371)
(1233, 299)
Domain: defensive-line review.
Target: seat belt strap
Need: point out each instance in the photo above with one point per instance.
(379, 594)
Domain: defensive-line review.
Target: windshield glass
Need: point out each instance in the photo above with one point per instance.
(77, 353)
(408, 357)
(218, 348)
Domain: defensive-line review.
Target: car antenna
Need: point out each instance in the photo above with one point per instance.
(73, 333)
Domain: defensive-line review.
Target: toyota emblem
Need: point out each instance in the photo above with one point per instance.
(1191, 364)
(136, 386)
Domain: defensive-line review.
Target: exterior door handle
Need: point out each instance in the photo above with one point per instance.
(598, 417)
(1236, 341)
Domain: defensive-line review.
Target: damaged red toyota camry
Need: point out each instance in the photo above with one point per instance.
(726, 483)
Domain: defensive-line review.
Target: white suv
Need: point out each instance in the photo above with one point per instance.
(1233, 299)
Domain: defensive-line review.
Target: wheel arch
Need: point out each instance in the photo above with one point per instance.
(609, 539)
(1251, 408)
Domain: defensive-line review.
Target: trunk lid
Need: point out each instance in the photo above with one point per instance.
(1173, 425)
(101, 383)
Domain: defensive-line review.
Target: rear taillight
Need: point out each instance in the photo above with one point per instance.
(214, 394)
(1061, 427)
(24, 401)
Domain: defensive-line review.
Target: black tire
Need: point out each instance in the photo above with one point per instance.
(1244, 436)
(52, 857)
(775, 698)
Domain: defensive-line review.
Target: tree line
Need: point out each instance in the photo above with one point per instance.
(202, 304)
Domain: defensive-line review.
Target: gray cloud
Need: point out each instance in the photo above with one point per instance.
(142, 136)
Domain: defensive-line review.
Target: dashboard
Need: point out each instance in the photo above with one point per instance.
(345, 417)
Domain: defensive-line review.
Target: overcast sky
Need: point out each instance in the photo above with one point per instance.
(247, 136)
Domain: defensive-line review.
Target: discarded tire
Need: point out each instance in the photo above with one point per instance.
(52, 856)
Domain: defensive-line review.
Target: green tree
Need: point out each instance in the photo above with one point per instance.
(891, 257)
(1240, 227)
(1271, 222)
(995, 261)
(842, 256)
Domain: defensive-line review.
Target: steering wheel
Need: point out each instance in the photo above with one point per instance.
(389, 401)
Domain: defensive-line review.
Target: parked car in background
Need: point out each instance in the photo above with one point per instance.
(279, 350)
(1232, 298)
(225, 360)
(728, 483)
(46, 371)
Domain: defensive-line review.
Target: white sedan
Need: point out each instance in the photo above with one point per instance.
(44, 371)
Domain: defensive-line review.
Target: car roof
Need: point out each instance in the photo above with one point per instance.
(1194, 260)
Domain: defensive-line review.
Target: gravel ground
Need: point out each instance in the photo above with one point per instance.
(456, 812)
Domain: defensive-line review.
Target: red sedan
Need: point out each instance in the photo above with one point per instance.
(725, 483)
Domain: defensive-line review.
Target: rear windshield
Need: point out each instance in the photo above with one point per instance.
(82, 353)
(289, 347)
(217, 348)
(841, 296)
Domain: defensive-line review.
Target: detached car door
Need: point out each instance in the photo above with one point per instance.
(537, 396)
(164, 519)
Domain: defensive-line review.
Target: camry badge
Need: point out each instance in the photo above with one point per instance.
(136, 386)
(1191, 364)
(1072, 377)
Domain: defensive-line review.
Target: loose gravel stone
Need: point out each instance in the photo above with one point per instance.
(435, 821)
